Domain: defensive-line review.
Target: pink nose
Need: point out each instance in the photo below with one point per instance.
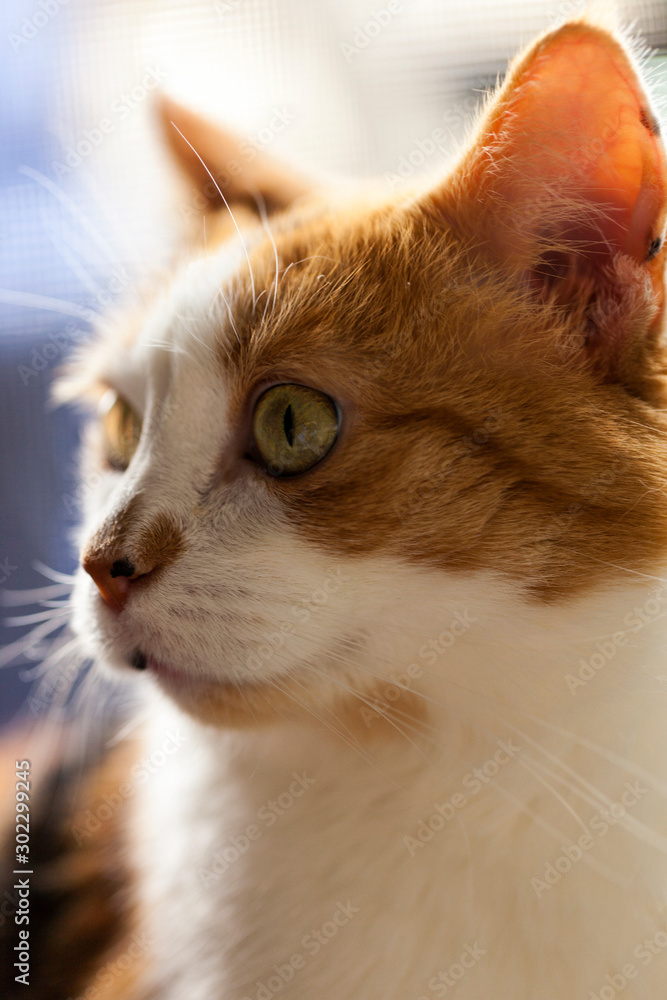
(113, 579)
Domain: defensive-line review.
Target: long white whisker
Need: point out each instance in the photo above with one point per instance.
(76, 212)
(53, 574)
(608, 755)
(560, 837)
(16, 649)
(32, 300)
(350, 742)
(39, 616)
(360, 697)
(63, 646)
(522, 762)
(18, 598)
(229, 313)
(261, 207)
(183, 321)
(225, 203)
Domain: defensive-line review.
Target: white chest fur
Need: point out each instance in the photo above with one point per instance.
(518, 854)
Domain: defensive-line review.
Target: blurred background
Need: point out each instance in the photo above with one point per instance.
(86, 193)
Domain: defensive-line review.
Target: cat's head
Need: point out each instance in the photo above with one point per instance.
(341, 424)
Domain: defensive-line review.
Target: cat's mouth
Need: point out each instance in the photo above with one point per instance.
(255, 702)
(171, 678)
(212, 700)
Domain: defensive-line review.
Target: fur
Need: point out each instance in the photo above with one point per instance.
(443, 645)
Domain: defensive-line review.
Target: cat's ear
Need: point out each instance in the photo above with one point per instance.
(566, 181)
(216, 159)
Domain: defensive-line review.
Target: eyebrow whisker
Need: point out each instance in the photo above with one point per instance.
(226, 204)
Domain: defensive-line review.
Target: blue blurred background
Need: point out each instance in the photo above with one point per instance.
(86, 206)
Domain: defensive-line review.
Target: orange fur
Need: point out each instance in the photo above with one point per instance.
(494, 344)
(431, 340)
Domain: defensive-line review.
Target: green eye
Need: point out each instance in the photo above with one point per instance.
(294, 427)
(122, 430)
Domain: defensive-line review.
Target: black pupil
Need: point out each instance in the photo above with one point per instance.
(288, 425)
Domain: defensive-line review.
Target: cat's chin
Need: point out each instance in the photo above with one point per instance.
(252, 704)
(220, 703)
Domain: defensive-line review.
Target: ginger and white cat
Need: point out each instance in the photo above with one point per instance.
(384, 527)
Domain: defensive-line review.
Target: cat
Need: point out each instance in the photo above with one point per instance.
(382, 534)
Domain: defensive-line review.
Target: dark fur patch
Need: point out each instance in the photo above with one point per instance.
(654, 248)
(649, 122)
(78, 889)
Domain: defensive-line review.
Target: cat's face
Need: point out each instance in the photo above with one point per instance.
(329, 428)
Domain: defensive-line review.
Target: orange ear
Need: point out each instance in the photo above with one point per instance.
(238, 169)
(567, 170)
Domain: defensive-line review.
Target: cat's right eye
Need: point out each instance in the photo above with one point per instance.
(122, 430)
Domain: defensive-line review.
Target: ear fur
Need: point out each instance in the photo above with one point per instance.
(201, 149)
(565, 183)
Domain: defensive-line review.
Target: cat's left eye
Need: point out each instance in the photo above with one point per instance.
(122, 430)
(294, 427)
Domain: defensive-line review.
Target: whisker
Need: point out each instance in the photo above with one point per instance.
(183, 321)
(17, 598)
(261, 207)
(229, 313)
(32, 300)
(360, 697)
(608, 755)
(53, 574)
(561, 837)
(16, 649)
(522, 762)
(76, 212)
(350, 741)
(63, 646)
(225, 203)
(39, 616)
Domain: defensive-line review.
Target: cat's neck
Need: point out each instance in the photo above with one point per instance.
(291, 853)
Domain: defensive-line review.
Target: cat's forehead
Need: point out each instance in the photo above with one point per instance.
(330, 296)
(346, 300)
